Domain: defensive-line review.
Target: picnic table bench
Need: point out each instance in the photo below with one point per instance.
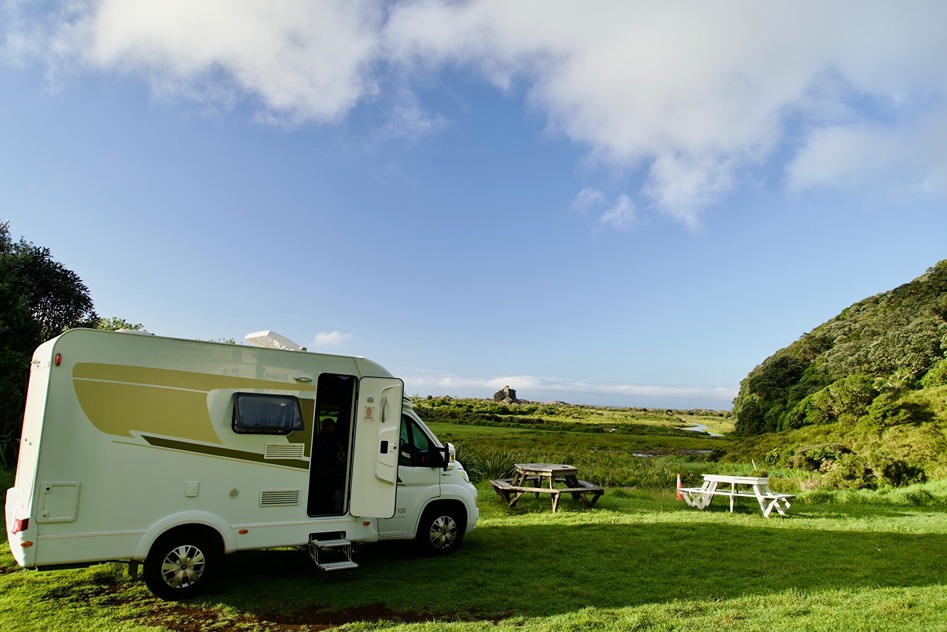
(541, 478)
(739, 487)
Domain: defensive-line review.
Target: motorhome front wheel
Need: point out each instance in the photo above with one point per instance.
(179, 565)
(441, 529)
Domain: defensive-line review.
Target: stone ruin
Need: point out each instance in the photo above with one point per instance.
(505, 395)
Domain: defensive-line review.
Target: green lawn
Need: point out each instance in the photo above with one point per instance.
(637, 561)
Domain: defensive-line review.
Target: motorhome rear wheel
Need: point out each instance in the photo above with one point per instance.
(180, 564)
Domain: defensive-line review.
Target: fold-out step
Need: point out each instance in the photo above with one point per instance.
(331, 554)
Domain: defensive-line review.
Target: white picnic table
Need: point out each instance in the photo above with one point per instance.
(737, 487)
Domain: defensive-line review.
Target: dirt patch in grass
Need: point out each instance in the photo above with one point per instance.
(180, 618)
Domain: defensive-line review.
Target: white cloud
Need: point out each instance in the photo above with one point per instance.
(331, 339)
(860, 155)
(620, 215)
(302, 60)
(407, 119)
(588, 199)
(693, 96)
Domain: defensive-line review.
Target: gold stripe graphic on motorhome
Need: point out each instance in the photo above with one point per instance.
(118, 399)
(226, 453)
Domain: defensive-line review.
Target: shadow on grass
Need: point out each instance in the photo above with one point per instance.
(540, 570)
(528, 562)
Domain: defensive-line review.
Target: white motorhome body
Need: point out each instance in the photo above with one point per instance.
(170, 452)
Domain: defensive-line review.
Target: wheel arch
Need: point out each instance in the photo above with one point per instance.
(439, 504)
(443, 503)
(207, 523)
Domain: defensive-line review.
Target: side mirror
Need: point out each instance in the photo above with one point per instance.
(442, 457)
(449, 456)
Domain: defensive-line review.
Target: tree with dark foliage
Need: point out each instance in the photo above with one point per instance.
(39, 299)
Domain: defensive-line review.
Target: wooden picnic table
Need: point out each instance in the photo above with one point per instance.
(737, 487)
(542, 478)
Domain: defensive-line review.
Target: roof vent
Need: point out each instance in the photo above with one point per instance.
(271, 340)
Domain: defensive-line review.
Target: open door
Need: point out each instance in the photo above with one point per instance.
(375, 457)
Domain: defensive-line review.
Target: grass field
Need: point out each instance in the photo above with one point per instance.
(842, 560)
(636, 561)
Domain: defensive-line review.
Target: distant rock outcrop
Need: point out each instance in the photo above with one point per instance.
(506, 395)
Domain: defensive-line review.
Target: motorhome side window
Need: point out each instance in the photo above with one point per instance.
(415, 446)
(254, 413)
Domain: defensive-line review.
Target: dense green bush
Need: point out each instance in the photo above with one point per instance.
(937, 376)
(814, 409)
(891, 409)
(748, 410)
(848, 471)
(898, 473)
(850, 397)
(845, 400)
(486, 465)
(774, 456)
(895, 341)
(815, 457)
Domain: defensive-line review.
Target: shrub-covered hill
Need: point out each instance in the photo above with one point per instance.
(875, 375)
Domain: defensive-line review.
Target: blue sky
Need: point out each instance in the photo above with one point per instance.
(619, 204)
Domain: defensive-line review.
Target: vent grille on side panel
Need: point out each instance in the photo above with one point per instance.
(284, 451)
(279, 497)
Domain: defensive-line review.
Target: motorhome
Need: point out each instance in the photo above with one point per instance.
(170, 453)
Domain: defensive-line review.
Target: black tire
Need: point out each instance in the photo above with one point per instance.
(180, 563)
(441, 529)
